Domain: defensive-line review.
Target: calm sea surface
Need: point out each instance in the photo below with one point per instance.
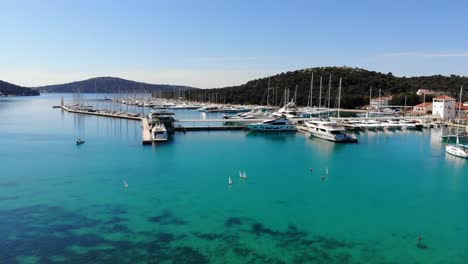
(62, 203)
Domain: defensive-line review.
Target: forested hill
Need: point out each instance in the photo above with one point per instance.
(109, 85)
(12, 89)
(355, 87)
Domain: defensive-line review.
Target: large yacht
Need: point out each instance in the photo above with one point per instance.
(329, 131)
(273, 125)
(159, 133)
(289, 111)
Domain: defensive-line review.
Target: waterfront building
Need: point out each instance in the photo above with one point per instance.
(444, 106)
(380, 102)
(423, 108)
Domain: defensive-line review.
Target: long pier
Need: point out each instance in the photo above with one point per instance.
(100, 113)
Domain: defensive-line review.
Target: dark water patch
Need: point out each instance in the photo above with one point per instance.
(208, 236)
(243, 252)
(63, 227)
(167, 218)
(421, 245)
(9, 198)
(32, 231)
(117, 228)
(115, 220)
(259, 229)
(331, 243)
(301, 246)
(8, 184)
(165, 237)
(233, 221)
(188, 255)
(118, 211)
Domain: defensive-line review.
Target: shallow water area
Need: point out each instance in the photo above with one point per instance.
(63, 203)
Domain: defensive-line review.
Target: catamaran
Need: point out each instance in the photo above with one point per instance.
(459, 150)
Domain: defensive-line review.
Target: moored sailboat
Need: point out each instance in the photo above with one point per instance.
(457, 149)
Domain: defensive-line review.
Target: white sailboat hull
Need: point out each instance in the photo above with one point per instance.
(457, 151)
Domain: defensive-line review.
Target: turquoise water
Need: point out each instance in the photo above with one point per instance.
(67, 204)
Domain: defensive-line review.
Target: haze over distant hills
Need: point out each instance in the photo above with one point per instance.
(109, 85)
(13, 89)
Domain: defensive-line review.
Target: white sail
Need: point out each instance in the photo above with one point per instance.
(125, 184)
(230, 180)
(240, 174)
(326, 170)
(244, 175)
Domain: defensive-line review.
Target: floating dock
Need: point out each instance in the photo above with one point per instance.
(208, 128)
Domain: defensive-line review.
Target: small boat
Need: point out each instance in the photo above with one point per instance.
(230, 180)
(243, 175)
(125, 184)
(79, 142)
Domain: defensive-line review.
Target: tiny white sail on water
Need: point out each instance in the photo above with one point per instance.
(244, 175)
(326, 170)
(240, 174)
(230, 181)
(125, 184)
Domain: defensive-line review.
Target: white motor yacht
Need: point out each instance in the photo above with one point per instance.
(159, 133)
(329, 131)
(273, 125)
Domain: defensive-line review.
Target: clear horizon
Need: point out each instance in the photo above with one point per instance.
(215, 44)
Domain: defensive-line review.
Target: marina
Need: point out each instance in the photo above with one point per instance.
(233, 132)
(179, 191)
(169, 124)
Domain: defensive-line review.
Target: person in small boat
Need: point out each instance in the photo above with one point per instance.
(323, 177)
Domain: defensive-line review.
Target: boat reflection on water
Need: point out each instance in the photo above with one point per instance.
(455, 161)
(273, 136)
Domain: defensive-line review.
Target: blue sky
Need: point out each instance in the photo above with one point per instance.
(218, 43)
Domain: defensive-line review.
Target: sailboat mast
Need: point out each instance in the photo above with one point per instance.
(380, 99)
(459, 113)
(295, 95)
(320, 93)
(339, 98)
(311, 95)
(268, 92)
(405, 106)
(329, 88)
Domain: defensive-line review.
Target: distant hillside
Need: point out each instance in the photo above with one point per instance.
(12, 89)
(109, 85)
(355, 87)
